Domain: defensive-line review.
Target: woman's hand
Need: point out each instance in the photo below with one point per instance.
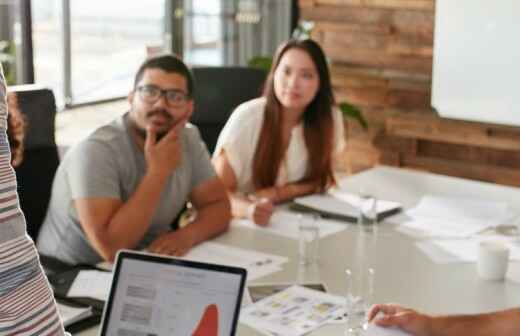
(260, 211)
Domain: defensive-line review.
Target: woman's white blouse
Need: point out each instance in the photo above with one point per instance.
(240, 136)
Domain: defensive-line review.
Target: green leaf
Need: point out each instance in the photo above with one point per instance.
(7, 58)
(261, 62)
(350, 111)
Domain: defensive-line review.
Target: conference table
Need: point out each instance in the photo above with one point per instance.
(404, 274)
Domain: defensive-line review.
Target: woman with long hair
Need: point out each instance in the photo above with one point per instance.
(286, 143)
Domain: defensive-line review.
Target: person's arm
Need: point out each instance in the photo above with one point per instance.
(258, 209)
(503, 323)
(27, 305)
(280, 194)
(110, 224)
(213, 215)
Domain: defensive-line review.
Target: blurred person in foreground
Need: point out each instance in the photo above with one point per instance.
(27, 305)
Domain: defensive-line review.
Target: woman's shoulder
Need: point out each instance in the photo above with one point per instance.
(250, 111)
(244, 124)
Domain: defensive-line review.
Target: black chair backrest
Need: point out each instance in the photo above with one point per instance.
(218, 91)
(40, 161)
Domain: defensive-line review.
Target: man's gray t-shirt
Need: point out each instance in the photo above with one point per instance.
(108, 164)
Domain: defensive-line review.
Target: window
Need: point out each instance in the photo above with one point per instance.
(108, 40)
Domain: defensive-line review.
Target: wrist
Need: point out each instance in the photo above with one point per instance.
(157, 173)
(188, 235)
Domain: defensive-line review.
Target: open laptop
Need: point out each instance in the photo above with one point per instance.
(154, 296)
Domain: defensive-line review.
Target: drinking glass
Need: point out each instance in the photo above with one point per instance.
(309, 237)
(360, 290)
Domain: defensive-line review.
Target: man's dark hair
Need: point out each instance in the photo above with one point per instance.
(168, 63)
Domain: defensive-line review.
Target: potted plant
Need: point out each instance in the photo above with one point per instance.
(8, 61)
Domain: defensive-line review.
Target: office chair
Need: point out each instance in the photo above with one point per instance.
(40, 159)
(218, 91)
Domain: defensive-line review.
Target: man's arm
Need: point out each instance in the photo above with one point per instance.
(27, 305)
(110, 224)
(503, 323)
(213, 215)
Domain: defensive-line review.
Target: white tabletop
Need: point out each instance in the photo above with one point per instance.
(403, 274)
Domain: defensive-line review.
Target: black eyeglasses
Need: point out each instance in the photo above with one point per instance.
(152, 93)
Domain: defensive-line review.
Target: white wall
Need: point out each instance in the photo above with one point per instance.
(476, 70)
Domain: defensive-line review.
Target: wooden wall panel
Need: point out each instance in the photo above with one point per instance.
(381, 55)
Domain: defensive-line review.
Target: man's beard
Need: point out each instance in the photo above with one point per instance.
(159, 135)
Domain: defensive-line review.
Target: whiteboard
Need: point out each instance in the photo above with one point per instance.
(476, 62)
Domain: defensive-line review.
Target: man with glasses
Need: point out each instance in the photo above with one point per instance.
(126, 184)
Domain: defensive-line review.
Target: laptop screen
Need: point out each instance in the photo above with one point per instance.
(152, 296)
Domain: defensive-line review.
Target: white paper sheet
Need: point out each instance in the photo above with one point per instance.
(258, 264)
(458, 209)
(455, 216)
(440, 228)
(285, 223)
(293, 312)
(92, 284)
(70, 315)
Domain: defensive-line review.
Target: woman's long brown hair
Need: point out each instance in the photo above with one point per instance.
(16, 126)
(317, 123)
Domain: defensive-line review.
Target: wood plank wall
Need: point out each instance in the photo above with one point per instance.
(381, 54)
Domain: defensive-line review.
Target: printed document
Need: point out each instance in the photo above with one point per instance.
(285, 223)
(293, 312)
(91, 284)
(258, 264)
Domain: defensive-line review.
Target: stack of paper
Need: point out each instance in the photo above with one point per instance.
(455, 217)
(257, 264)
(91, 284)
(70, 315)
(285, 223)
(293, 312)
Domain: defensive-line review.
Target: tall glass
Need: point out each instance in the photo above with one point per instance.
(359, 298)
(309, 237)
(367, 212)
(360, 275)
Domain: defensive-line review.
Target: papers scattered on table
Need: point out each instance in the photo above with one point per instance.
(257, 264)
(91, 284)
(70, 315)
(342, 205)
(285, 223)
(464, 250)
(442, 228)
(293, 312)
(456, 217)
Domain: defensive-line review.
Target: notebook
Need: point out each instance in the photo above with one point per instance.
(341, 205)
